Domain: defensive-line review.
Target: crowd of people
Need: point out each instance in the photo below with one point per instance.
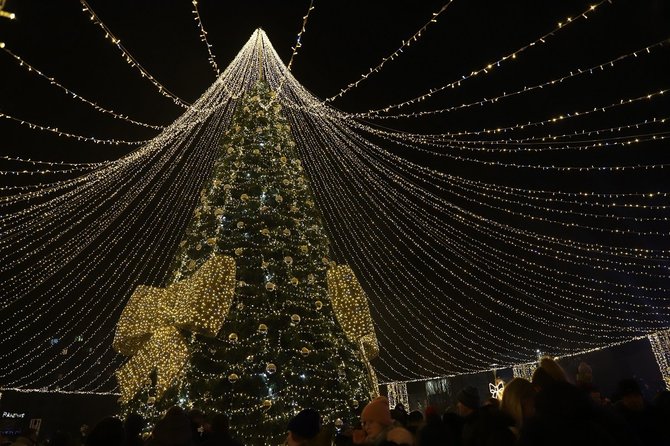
(545, 411)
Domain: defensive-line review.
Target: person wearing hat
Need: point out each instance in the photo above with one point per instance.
(376, 420)
(304, 428)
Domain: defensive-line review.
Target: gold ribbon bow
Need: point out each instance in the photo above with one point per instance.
(148, 329)
(353, 313)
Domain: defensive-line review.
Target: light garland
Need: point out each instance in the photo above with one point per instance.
(203, 37)
(397, 394)
(660, 345)
(130, 60)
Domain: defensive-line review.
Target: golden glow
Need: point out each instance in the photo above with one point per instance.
(148, 327)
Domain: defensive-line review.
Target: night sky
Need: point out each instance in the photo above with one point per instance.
(343, 40)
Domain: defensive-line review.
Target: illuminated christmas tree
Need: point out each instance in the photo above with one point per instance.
(258, 321)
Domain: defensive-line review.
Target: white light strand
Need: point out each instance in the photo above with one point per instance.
(74, 95)
(129, 58)
(203, 38)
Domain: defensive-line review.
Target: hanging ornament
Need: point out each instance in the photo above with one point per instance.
(271, 368)
(311, 278)
(241, 283)
(244, 197)
(294, 209)
(354, 404)
(286, 232)
(182, 243)
(288, 260)
(230, 150)
(264, 209)
(238, 251)
(233, 378)
(341, 373)
(265, 232)
(295, 319)
(264, 264)
(151, 400)
(309, 203)
(211, 241)
(270, 286)
(304, 249)
(304, 351)
(233, 338)
(297, 162)
(227, 186)
(339, 423)
(283, 160)
(240, 306)
(240, 224)
(257, 152)
(191, 265)
(319, 304)
(286, 182)
(198, 247)
(267, 404)
(263, 329)
(294, 281)
(325, 260)
(279, 198)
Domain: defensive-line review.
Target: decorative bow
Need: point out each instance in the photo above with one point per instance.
(148, 329)
(351, 309)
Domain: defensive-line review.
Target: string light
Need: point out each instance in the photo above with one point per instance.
(74, 95)
(203, 37)
(660, 345)
(392, 56)
(129, 58)
(489, 67)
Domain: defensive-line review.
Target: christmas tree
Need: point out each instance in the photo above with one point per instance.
(258, 321)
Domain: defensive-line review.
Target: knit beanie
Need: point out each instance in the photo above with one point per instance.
(469, 397)
(306, 424)
(378, 410)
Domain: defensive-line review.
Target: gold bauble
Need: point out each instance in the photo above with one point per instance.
(233, 378)
(265, 232)
(325, 261)
(233, 337)
(286, 182)
(319, 304)
(262, 329)
(151, 400)
(230, 150)
(239, 251)
(244, 197)
(294, 281)
(211, 241)
(267, 404)
(279, 198)
(304, 249)
(294, 209)
(295, 319)
(198, 247)
(270, 286)
(218, 211)
(271, 368)
(283, 160)
(304, 351)
(311, 278)
(286, 232)
(257, 152)
(240, 224)
(241, 283)
(288, 260)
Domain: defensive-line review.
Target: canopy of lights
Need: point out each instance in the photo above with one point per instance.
(560, 246)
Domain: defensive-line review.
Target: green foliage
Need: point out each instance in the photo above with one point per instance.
(258, 207)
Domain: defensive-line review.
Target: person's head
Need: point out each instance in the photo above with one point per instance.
(547, 373)
(376, 417)
(467, 401)
(174, 429)
(518, 400)
(584, 374)
(108, 432)
(134, 424)
(630, 394)
(303, 427)
(400, 436)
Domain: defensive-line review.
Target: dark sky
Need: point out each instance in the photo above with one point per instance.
(343, 40)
